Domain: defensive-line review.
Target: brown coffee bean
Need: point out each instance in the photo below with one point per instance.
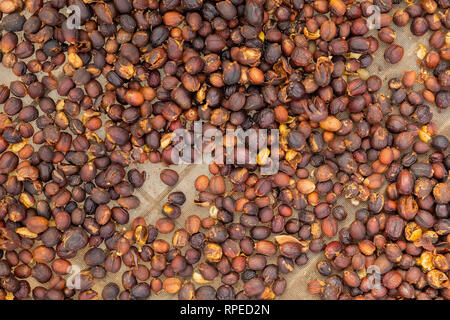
(394, 53)
(217, 185)
(169, 177)
(37, 224)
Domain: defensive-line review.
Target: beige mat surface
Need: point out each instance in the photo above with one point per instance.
(154, 193)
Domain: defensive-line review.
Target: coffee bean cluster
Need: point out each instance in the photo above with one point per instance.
(135, 71)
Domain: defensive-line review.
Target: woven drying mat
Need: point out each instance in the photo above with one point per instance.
(153, 194)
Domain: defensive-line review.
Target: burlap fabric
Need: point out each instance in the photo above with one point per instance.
(154, 193)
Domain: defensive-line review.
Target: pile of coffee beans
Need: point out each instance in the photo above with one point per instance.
(110, 83)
